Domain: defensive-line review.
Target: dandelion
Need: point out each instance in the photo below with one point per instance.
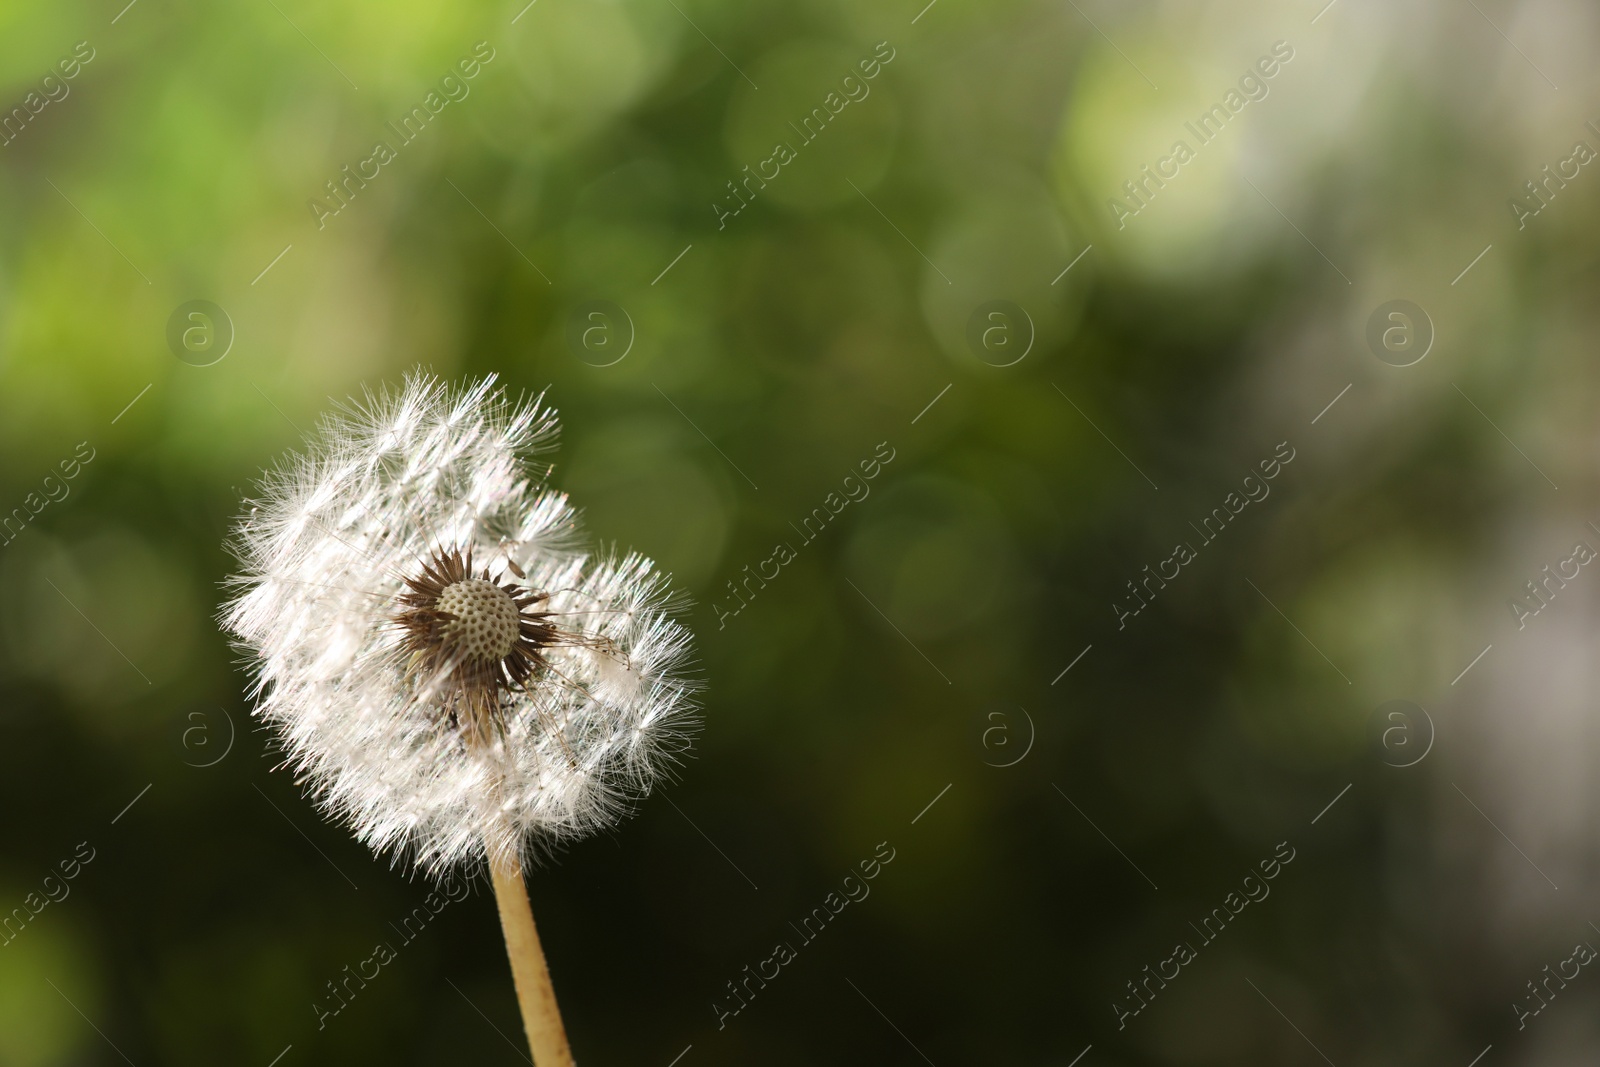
(447, 673)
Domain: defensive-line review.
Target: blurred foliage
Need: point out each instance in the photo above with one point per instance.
(779, 349)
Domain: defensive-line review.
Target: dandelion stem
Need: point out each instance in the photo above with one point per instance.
(547, 1038)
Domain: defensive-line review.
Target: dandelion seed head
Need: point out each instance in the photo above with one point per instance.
(445, 669)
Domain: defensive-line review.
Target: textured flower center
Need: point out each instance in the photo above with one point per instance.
(486, 623)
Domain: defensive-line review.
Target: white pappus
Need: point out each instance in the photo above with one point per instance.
(446, 672)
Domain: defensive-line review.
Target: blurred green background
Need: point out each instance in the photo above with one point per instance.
(923, 640)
